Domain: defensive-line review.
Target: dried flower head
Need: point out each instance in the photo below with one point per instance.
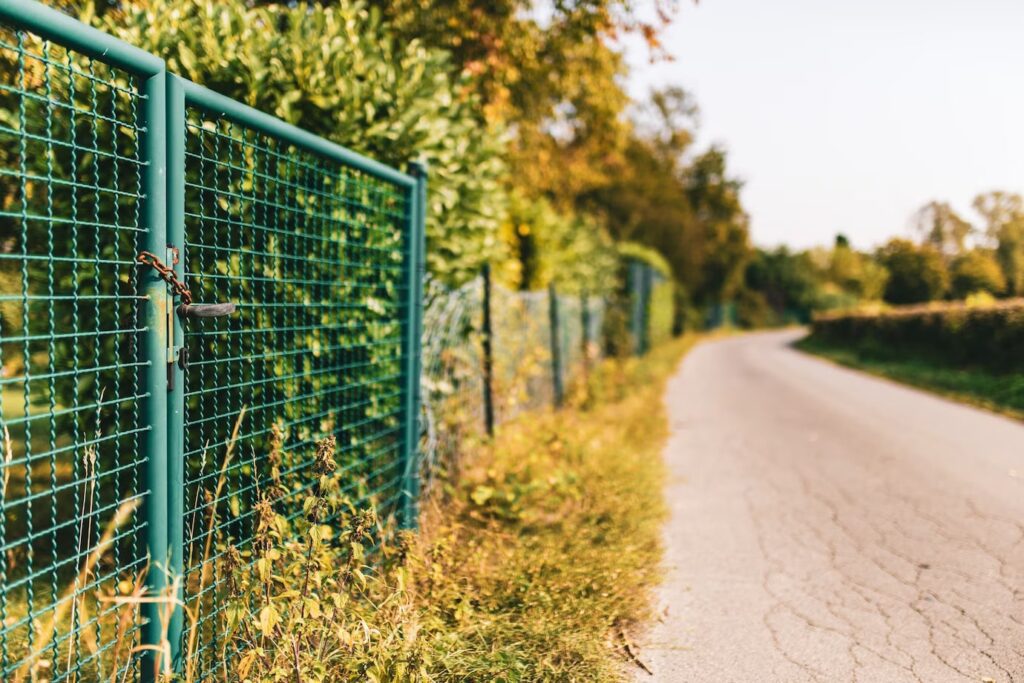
(325, 463)
(264, 514)
(276, 444)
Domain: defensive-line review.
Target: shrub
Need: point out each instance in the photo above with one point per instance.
(335, 71)
(989, 337)
(977, 271)
(916, 274)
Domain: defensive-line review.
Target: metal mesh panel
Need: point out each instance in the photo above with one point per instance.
(312, 252)
(522, 352)
(579, 346)
(70, 534)
(452, 380)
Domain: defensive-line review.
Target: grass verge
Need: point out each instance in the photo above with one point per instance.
(544, 562)
(1001, 393)
(534, 566)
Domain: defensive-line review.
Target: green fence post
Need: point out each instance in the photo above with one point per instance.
(556, 346)
(585, 335)
(154, 353)
(414, 324)
(633, 285)
(488, 351)
(646, 288)
(176, 395)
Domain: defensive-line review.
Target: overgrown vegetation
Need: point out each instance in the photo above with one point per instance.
(964, 351)
(535, 566)
(538, 159)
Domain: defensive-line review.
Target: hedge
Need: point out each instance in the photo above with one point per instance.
(990, 337)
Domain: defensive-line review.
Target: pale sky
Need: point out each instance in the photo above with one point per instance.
(848, 115)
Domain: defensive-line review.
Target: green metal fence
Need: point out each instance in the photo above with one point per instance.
(650, 307)
(519, 360)
(524, 354)
(142, 421)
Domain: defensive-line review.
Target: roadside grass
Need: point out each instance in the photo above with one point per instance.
(542, 563)
(535, 565)
(1001, 393)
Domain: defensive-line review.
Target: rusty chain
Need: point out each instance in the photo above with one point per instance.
(166, 274)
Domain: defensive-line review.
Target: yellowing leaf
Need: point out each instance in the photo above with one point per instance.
(267, 620)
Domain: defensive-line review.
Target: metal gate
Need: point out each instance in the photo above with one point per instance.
(191, 293)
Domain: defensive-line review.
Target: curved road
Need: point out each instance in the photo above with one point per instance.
(829, 526)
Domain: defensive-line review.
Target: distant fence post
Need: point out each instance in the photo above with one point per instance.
(556, 347)
(633, 280)
(488, 353)
(585, 335)
(646, 287)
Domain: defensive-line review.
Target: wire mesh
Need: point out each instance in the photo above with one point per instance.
(453, 375)
(71, 173)
(522, 352)
(312, 253)
(580, 321)
(452, 386)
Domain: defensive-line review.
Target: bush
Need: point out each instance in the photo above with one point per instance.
(977, 271)
(957, 334)
(661, 312)
(335, 71)
(916, 274)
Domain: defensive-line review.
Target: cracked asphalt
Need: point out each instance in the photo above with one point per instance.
(830, 526)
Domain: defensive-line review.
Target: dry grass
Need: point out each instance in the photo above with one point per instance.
(543, 563)
(535, 566)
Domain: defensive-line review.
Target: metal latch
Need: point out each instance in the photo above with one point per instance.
(206, 310)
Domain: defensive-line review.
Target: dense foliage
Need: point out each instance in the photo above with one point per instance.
(538, 159)
(956, 334)
(336, 71)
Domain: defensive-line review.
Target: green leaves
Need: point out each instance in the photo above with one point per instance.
(337, 72)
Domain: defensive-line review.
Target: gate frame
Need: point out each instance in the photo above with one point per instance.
(181, 94)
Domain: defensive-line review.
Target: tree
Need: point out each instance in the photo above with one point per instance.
(976, 271)
(855, 273)
(649, 198)
(554, 81)
(788, 282)
(916, 273)
(1003, 213)
(715, 200)
(939, 225)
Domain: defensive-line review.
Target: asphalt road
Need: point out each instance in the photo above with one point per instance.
(829, 526)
